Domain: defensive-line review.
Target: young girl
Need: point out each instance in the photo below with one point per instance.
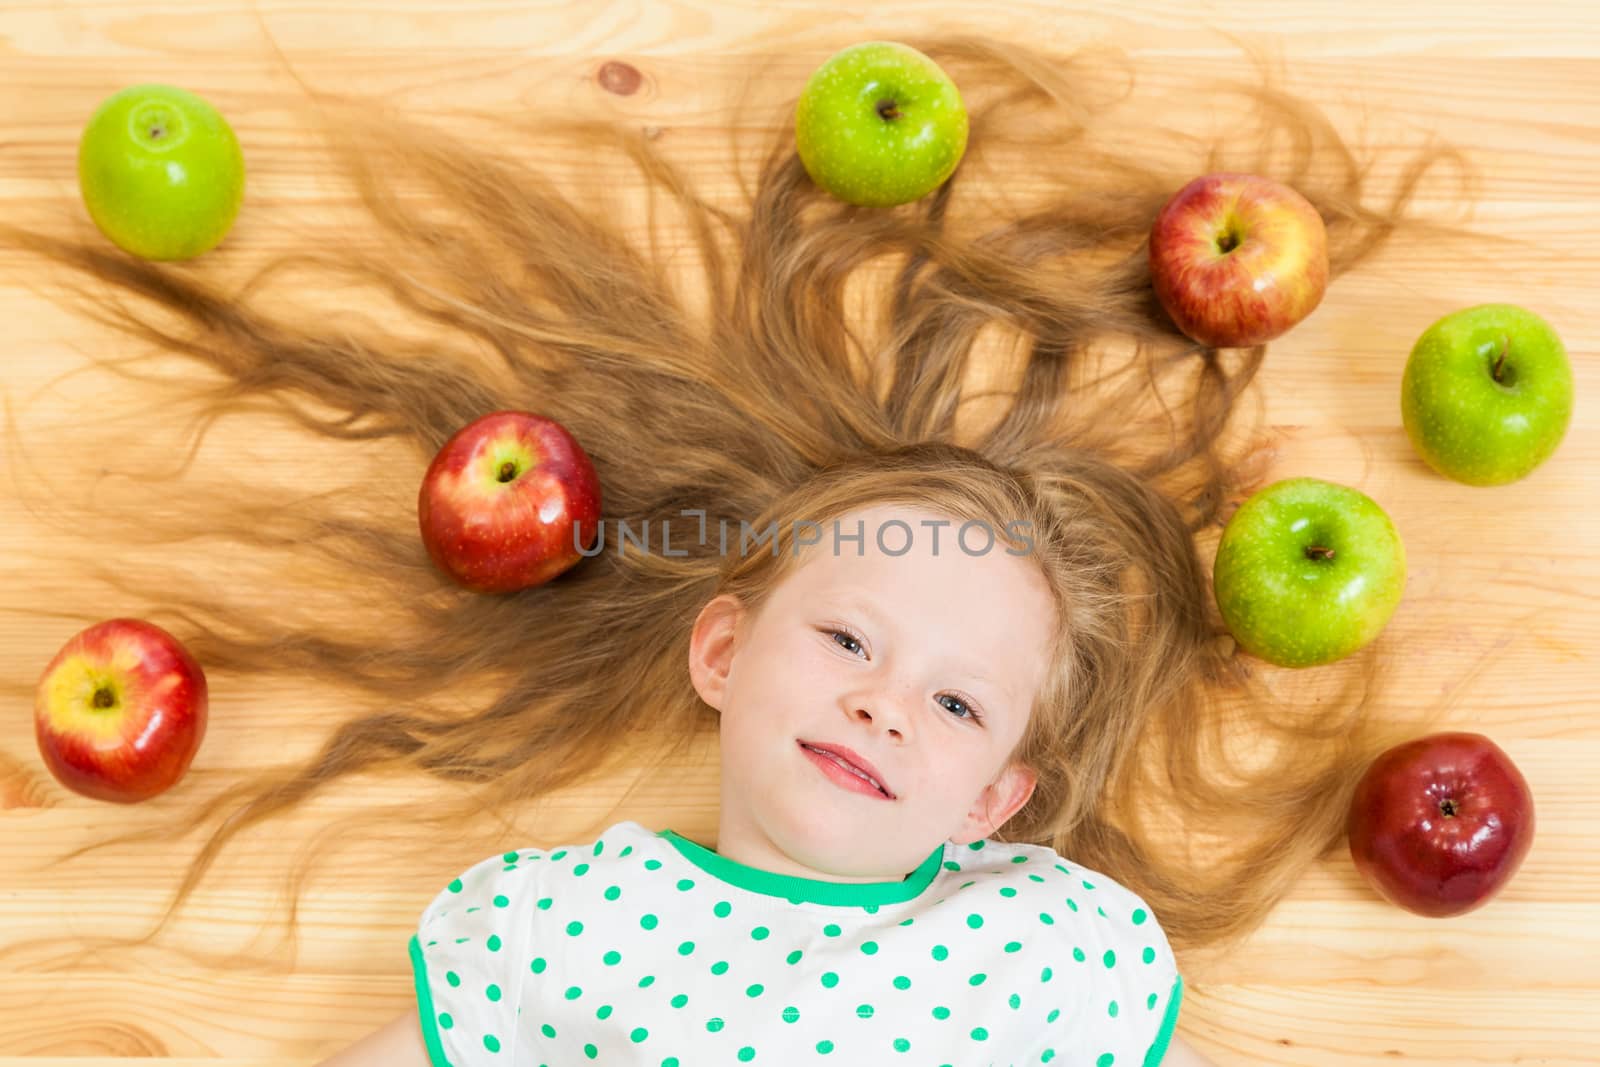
(977, 796)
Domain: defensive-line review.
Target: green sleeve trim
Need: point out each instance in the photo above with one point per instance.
(1168, 1024)
(425, 1012)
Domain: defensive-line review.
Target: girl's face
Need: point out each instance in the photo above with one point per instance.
(924, 663)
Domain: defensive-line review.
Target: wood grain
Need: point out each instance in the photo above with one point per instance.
(1499, 622)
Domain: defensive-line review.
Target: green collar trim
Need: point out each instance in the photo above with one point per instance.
(798, 890)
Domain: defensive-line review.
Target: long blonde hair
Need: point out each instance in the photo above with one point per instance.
(772, 405)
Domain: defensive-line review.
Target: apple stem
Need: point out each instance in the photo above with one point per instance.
(888, 110)
(103, 698)
(1501, 362)
(508, 471)
(1318, 552)
(1449, 808)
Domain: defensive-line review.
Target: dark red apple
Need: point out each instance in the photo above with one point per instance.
(1237, 259)
(1439, 824)
(509, 502)
(120, 711)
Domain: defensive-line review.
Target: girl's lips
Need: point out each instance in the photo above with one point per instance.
(841, 776)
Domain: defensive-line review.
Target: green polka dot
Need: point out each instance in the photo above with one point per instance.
(1008, 891)
(722, 909)
(493, 992)
(494, 942)
(940, 952)
(1113, 1009)
(977, 979)
(1054, 1013)
(832, 929)
(547, 1030)
(1110, 959)
(648, 922)
(685, 948)
(1151, 1003)
(974, 921)
(864, 1011)
(759, 933)
(824, 1047)
(901, 1044)
(1046, 918)
(574, 992)
(1077, 954)
(501, 901)
(941, 1013)
(445, 1021)
(1045, 975)
(1088, 885)
(1047, 1055)
(651, 865)
(747, 1054)
(714, 1025)
(638, 1034)
(720, 967)
(869, 947)
(1106, 1060)
(670, 1061)
(1015, 1001)
(1013, 946)
(538, 965)
(1149, 954)
(647, 981)
(754, 990)
(685, 883)
(1073, 904)
(590, 1051)
(545, 902)
(1019, 859)
(558, 855)
(600, 846)
(611, 958)
(829, 979)
(452, 977)
(902, 982)
(791, 1014)
(491, 1042)
(574, 928)
(680, 1000)
(793, 957)
(980, 1034)
(613, 892)
(454, 887)
(604, 1012)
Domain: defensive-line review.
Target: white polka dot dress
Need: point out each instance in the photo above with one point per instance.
(644, 948)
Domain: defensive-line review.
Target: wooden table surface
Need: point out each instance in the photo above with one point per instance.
(1498, 620)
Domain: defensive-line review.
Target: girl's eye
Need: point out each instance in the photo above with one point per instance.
(972, 713)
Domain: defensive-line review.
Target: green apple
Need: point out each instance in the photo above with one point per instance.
(880, 124)
(161, 172)
(1487, 394)
(1307, 572)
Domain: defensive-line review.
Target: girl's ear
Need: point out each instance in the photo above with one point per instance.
(1000, 800)
(711, 647)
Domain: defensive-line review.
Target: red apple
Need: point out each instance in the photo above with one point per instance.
(508, 502)
(1439, 824)
(120, 711)
(1237, 259)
